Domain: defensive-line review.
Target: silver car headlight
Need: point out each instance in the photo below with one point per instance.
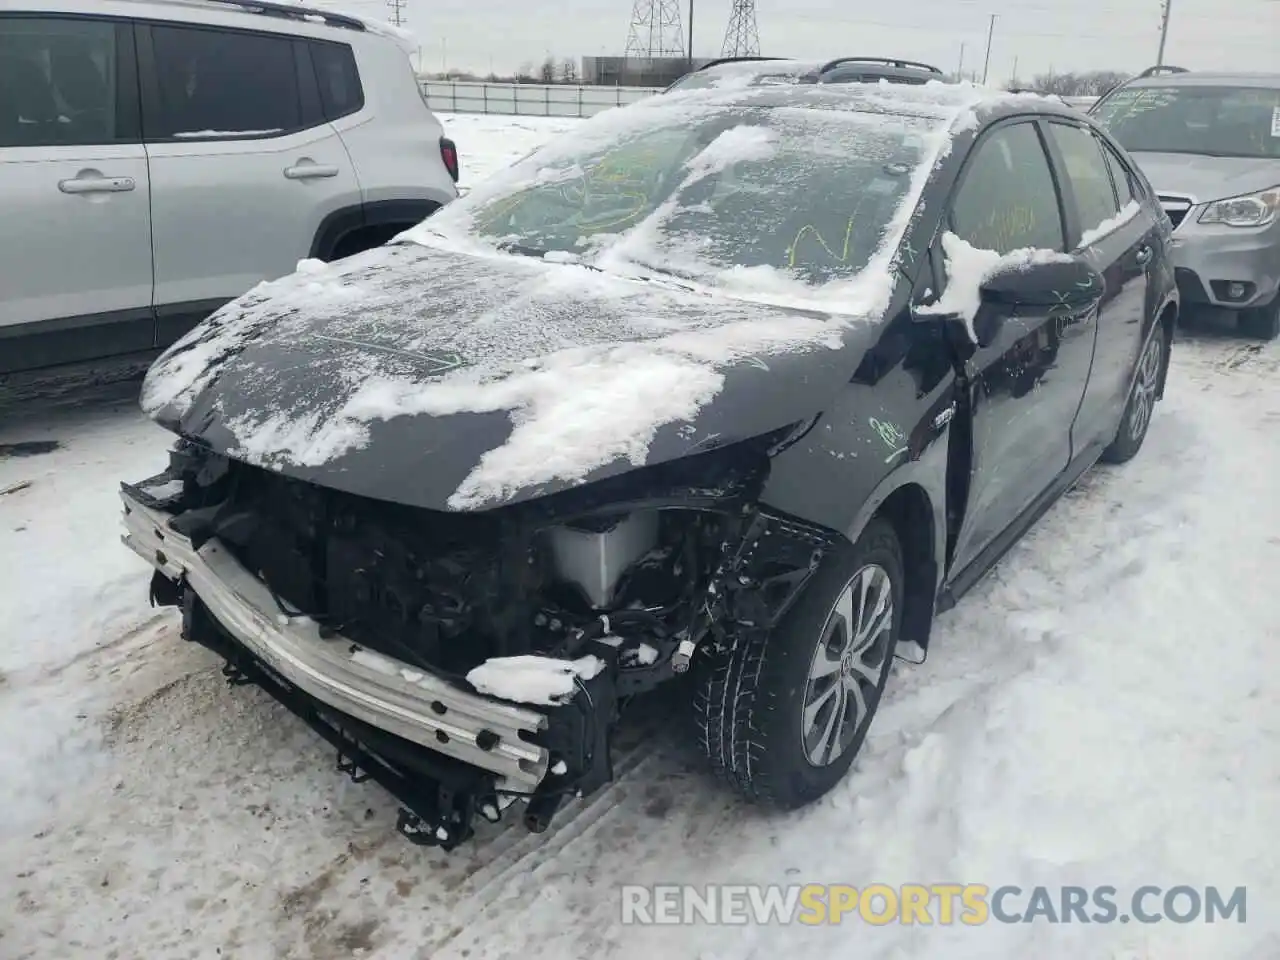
(1251, 210)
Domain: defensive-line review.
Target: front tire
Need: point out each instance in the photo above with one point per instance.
(781, 715)
(1142, 401)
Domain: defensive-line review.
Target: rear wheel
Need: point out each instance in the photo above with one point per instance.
(782, 715)
(1261, 322)
(1142, 402)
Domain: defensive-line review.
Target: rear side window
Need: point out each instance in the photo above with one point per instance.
(220, 83)
(339, 80)
(1007, 199)
(1090, 177)
(58, 83)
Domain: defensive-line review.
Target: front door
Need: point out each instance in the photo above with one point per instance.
(1025, 387)
(1117, 234)
(75, 242)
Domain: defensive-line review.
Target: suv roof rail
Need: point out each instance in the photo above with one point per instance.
(719, 60)
(291, 11)
(1162, 68)
(888, 61)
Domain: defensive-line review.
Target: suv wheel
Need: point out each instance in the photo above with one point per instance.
(782, 715)
(1261, 322)
(1142, 402)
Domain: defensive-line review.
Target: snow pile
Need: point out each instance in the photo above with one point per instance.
(570, 417)
(969, 267)
(545, 681)
(1111, 224)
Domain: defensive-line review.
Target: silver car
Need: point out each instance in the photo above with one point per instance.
(1210, 145)
(158, 159)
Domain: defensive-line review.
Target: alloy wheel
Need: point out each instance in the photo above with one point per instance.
(848, 664)
(1145, 387)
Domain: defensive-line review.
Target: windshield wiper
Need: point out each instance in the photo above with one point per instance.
(537, 253)
(664, 275)
(520, 249)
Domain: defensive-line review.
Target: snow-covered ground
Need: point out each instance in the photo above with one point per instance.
(1100, 710)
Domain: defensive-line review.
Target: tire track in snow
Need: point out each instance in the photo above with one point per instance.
(518, 865)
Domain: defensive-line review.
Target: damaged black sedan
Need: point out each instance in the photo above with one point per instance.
(739, 386)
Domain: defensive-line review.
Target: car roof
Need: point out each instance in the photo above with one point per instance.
(840, 69)
(1208, 79)
(939, 101)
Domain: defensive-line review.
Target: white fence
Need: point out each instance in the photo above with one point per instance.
(552, 99)
(528, 99)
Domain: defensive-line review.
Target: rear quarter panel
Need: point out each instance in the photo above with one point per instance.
(394, 141)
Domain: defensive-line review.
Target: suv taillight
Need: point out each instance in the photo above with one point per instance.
(449, 154)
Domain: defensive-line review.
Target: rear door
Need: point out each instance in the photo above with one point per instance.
(1025, 387)
(75, 245)
(1109, 225)
(244, 167)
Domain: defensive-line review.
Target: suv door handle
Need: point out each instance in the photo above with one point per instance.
(97, 185)
(1144, 256)
(309, 171)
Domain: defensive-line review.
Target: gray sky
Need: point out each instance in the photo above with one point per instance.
(1079, 35)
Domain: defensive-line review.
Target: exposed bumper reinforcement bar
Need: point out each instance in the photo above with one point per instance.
(387, 694)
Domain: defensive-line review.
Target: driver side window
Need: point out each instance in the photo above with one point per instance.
(1007, 199)
(58, 82)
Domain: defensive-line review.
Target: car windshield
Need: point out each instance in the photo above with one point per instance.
(1216, 121)
(806, 191)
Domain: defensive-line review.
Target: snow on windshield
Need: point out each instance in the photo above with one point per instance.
(588, 365)
(702, 193)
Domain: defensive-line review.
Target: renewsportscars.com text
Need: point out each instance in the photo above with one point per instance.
(925, 904)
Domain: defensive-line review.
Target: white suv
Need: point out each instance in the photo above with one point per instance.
(160, 157)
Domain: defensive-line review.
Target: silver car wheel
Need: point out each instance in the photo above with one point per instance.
(850, 659)
(1145, 387)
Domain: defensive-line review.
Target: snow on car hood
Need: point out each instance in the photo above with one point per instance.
(439, 372)
(456, 381)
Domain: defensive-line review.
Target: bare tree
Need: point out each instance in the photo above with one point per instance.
(525, 73)
(547, 72)
(1090, 84)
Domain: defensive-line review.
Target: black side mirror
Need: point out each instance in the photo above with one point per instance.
(1059, 282)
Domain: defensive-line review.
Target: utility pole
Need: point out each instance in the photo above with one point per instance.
(397, 11)
(691, 36)
(1014, 78)
(960, 65)
(986, 67)
(1164, 32)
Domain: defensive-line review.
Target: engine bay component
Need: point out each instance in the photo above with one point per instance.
(594, 554)
(366, 618)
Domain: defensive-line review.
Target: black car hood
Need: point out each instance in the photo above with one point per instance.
(461, 381)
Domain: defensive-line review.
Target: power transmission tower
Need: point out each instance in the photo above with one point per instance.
(742, 38)
(655, 30)
(397, 11)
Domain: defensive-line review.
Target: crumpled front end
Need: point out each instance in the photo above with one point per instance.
(465, 661)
